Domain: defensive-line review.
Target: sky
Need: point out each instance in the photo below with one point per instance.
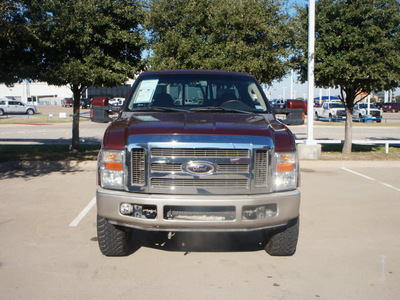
(286, 87)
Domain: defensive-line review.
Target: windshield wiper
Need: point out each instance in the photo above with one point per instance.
(219, 108)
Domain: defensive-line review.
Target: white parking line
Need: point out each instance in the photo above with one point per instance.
(83, 213)
(370, 178)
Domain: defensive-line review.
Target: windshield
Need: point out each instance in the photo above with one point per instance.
(336, 105)
(197, 92)
(364, 105)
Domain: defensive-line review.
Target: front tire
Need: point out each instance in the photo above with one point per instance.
(1, 112)
(29, 112)
(283, 241)
(113, 240)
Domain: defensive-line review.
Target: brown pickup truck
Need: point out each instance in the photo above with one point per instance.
(197, 151)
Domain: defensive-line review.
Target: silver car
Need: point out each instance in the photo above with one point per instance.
(16, 107)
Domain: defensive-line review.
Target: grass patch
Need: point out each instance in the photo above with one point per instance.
(39, 120)
(360, 152)
(387, 123)
(47, 153)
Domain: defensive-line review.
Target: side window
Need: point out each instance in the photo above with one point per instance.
(2, 103)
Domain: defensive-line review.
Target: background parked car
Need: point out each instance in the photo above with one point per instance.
(16, 107)
(392, 107)
(331, 111)
(85, 103)
(67, 102)
(116, 101)
(116, 104)
(360, 112)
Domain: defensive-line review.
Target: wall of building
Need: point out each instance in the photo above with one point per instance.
(39, 93)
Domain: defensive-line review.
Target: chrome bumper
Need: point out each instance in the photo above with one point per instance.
(287, 206)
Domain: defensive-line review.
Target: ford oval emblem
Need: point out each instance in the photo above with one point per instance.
(199, 168)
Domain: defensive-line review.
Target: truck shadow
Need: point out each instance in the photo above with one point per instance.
(199, 241)
(28, 169)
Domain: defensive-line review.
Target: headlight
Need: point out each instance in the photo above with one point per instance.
(286, 171)
(111, 168)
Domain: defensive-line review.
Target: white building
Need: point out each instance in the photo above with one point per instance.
(39, 93)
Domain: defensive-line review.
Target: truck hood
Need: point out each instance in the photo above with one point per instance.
(200, 123)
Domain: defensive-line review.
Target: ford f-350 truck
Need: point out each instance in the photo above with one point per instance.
(197, 151)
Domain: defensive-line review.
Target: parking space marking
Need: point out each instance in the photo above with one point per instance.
(370, 178)
(83, 213)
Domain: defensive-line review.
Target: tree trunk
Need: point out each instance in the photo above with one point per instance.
(348, 133)
(75, 118)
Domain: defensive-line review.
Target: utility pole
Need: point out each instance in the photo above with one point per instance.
(310, 150)
(311, 47)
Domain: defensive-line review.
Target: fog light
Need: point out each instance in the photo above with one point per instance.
(259, 212)
(126, 209)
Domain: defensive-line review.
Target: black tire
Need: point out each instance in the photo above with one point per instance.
(316, 116)
(30, 112)
(330, 118)
(1, 112)
(283, 241)
(113, 240)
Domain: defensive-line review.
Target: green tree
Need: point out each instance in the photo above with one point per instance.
(356, 49)
(236, 35)
(17, 55)
(87, 43)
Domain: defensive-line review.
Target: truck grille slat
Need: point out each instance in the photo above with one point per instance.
(222, 168)
(211, 153)
(200, 183)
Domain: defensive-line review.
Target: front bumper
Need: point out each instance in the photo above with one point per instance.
(284, 207)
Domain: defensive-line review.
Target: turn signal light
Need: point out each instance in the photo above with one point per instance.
(284, 168)
(113, 166)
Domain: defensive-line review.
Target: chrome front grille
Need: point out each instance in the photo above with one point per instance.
(177, 168)
(375, 113)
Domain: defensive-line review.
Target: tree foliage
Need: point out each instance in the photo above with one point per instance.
(357, 49)
(85, 43)
(18, 58)
(236, 35)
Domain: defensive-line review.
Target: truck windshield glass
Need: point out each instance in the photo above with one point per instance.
(336, 105)
(198, 91)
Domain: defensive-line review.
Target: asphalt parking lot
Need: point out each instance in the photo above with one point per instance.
(348, 247)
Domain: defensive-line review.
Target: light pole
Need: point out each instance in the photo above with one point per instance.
(291, 85)
(311, 46)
